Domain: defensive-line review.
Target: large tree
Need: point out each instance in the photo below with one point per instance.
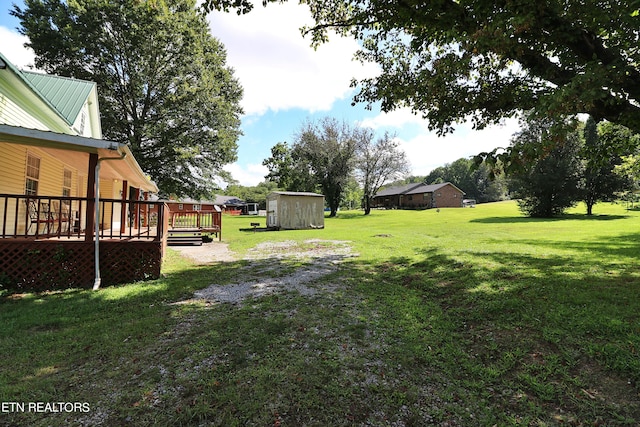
(289, 169)
(602, 156)
(321, 158)
(545, 169)
(489, 59)
(327, 148)
(378, 162)
(163, 84)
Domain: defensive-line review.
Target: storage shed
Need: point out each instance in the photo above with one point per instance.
(290, 210)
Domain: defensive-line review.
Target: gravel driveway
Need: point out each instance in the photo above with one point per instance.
(318, 258)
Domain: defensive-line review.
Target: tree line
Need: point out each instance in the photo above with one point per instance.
(327, 156)
(483, 61)
(549, 166)
(554, 163)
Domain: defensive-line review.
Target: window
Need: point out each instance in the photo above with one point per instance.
(180, 206)
(66, 183)
(83, 119)
(196, 207)
(33, 175)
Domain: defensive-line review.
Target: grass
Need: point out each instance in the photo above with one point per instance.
(462, 317)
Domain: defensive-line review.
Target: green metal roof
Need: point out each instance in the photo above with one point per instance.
(66, 95)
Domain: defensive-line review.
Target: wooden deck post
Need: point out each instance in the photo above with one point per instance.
(123, 209)
(91, 194)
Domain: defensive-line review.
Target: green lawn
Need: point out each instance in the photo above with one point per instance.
(463, 317)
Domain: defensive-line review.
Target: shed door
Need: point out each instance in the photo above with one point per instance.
(272, 213)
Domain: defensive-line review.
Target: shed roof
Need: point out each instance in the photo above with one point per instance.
(296, 193)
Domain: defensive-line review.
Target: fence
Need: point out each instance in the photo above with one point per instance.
(65, 217)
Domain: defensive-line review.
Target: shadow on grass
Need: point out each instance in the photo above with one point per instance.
(433, 338)
(507, 314)
(349, 215)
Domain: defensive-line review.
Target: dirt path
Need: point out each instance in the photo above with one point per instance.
(319, 258)
(207, 253)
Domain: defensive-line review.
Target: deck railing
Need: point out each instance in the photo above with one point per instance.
(205, 220)
(45, 217)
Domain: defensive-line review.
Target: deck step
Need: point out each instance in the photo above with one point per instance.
(184, 236)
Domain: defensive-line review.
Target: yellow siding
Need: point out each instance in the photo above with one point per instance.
(12, 114)
(106, 192)
(12, 175)
(51, 175)
(12, 168)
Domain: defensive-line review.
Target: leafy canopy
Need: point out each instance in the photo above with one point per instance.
(163, 85)
(602, 152)
(451, 60)
(545, 169)
(325, 151)
(378, 161)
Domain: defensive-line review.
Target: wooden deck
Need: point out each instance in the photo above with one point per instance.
(48, 242)
(187, 227)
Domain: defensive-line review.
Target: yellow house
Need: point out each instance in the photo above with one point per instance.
(54, 167)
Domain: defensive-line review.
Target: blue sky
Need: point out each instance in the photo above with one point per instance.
(286, 82)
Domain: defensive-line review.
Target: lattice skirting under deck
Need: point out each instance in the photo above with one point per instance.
(46, 265)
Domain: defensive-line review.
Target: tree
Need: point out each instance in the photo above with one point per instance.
(327, 149)
(630, 169)
(602, 157)
(288, 169)
(450, 60)
(545, 169)
(352, 195)
(321, 158)
(378, 162)
(164, 88)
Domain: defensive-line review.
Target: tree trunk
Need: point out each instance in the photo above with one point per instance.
(367, 205)
(589, 208)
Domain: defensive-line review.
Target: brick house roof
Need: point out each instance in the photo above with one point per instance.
(414, 188)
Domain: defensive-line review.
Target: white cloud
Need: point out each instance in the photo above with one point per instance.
(394, 119)
(248, 175)
(13, 48)
(426, 151)
(277, 67)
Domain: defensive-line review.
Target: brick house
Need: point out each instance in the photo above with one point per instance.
(419, 196)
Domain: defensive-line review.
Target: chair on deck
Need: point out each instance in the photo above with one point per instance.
(39, 213)
(61, 216)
